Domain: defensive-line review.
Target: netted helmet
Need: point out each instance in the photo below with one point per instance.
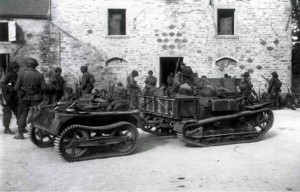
(150, 72)
(31, 62)
(246, 74)
(274, 74)
(135, 73)
(84, 68)
(58, 70)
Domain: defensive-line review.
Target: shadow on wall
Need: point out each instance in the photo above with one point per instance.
(20, 40)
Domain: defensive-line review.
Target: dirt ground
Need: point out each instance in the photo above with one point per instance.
(162, 164)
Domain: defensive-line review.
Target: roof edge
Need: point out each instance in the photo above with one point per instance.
(11, 16)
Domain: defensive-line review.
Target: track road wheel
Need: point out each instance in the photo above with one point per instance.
(129, 136)
(66, 144)
(265, 119)
(40, 137)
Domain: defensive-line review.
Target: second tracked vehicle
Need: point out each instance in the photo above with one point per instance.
(206, 121)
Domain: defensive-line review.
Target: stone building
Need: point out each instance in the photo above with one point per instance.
(214, 37)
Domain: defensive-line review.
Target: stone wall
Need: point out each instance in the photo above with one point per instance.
(164, 28)
(33, 39)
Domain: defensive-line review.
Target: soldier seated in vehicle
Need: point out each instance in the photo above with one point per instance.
(103, 94)
(119, 99)
(161, 91)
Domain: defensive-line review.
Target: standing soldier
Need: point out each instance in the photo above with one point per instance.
(29, 85)
(10, 99)
(133, 89)
(59, 83)
(247, 88)
(88, 80)
(170, 79)
(150, 84)
(274, 88)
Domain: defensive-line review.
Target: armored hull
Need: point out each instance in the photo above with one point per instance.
(80, 135)
(204, 121)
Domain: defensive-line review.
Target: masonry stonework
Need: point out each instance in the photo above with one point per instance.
(78, 35)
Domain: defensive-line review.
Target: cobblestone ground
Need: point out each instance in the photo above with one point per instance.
(162, 164)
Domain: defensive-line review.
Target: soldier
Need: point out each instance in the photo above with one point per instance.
(119, 99)
(162, 91)
(88, 80)
(133, 89)
(170, 79)
(29, 85)
(150, 84)
(274, 89)
(103, 94)
(59, 83)
(246, 88)
(10, 99)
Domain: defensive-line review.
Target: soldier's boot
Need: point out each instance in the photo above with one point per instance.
(8, 131)
(19, 135)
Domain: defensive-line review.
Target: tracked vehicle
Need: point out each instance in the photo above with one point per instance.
(82, 135)
(206, 121)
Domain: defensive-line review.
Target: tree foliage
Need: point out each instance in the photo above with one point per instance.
(296, 36)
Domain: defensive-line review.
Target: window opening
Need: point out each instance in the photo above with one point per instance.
(226, 21)
(3, 31)
(117, 22)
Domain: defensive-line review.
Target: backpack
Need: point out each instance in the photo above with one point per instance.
(92, 79)
(277, 83)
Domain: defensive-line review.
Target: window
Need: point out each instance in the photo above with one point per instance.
(226, 21)
(117, 22)
(3, 31)
(7, 31)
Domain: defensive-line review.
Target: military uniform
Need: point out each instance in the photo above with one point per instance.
(119, 100)
(29, 85)
(150, 84)
(133, 90)
(170, 80)
(274, 89)
(59, 83)
(87, 83)
(10, 99)
(246, 88)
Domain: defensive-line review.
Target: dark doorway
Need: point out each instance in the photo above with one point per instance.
(4, 59)
(168, 65)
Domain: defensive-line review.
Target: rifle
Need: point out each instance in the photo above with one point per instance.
(272, 90)
(252, 89)
(266, 78)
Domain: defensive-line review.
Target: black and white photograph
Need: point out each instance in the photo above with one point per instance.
(149, 95)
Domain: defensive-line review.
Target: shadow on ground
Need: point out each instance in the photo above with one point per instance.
(149, 141)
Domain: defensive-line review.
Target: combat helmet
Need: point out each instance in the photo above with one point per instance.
(274, 74)
(135, 73)
(246, 74)
(31, 62)
(13, 65)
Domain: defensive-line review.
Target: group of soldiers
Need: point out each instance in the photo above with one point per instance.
(28, 89)
(273, 92)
